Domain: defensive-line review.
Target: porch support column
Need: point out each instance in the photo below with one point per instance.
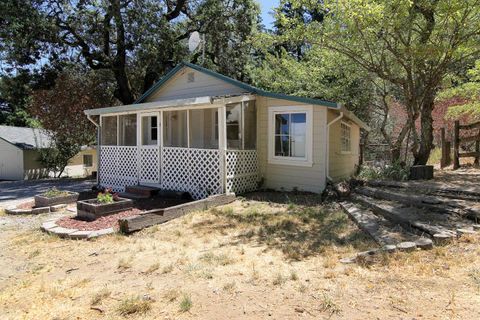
(222, 144)
(139, 143)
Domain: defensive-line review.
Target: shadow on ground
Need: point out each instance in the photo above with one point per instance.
(297, 224)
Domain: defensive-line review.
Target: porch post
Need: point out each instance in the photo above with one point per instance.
(139, 143)
(222, 145)
(160, 146)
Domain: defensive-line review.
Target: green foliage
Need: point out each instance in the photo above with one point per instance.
(469, 91)
(56, 157)
(105, 198)
(396, 171)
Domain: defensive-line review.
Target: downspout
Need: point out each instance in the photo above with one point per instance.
(98, 148)
(327, 160)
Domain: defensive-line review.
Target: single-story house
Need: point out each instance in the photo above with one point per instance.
(19, 155)
(199, 131)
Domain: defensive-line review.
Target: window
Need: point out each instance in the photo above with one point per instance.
(149, 130)
(88, 160)
(201, 124)
(290, 135)
(346, 137)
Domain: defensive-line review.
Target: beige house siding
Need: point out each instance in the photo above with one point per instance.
(342, 165)
(289, 177)
(203, 85)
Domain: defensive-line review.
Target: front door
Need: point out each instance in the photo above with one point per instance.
(149, 149)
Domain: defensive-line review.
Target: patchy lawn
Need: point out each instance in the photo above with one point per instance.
(269, 255)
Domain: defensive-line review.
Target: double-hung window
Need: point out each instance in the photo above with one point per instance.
(346, 138)
(290, 135)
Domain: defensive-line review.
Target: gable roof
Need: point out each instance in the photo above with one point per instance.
(246, 87)
(25, 138)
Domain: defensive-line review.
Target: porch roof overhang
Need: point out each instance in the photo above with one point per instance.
(206, 101)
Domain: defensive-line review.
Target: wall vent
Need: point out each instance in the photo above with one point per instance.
(191, 77)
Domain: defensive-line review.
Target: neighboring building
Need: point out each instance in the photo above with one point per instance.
(19, 154)
(202, 132)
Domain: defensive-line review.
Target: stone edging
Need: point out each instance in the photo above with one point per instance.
(51, 227)
(38, 210)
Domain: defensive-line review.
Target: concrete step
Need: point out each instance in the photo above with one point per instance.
(383, 231)
(142, 190)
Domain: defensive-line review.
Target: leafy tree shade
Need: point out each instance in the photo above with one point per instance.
(411, 44)
(137, 41)
(60, 111)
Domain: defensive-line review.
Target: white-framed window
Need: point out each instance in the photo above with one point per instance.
(346, 137)
(290, 135)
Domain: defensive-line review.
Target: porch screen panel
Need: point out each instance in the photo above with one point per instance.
(250, 125)
(203, 129)
(175, 129)
(128, 130)
(233, 123)
(109, 131)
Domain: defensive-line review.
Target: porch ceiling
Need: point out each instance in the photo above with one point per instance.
(177, 103)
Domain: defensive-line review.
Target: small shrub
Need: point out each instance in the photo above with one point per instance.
(186, 303)
(293, 275)
(397, 171)
(327, 305)
(134, 305)
(214, 259)
(278, 280)
(99, 296)
(105, 198)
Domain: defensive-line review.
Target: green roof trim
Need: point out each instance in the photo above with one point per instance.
(237, 83)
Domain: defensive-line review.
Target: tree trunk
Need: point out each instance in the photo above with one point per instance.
(426, 131)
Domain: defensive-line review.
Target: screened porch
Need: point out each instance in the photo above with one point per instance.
(203, 149)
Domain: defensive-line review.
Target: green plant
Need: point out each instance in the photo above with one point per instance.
(186, 303)
(396, 171)
(54, 192)
(105, 198)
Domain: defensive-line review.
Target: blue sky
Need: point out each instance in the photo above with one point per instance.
(267, 7)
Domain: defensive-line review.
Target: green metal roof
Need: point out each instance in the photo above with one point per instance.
(237, 83)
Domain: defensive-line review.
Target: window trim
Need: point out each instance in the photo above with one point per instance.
(341, 137)
(292, 161)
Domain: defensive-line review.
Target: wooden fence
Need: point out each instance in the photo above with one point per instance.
(461, 139)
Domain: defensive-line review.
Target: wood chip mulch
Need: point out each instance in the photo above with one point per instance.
(101, 223)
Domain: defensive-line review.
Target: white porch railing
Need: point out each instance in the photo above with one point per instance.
(201, 172)
(241, 170)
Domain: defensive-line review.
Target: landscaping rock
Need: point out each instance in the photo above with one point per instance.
(18, 211)
(366, 257)
(58, 207)
(349, 260)
(40, 210)
(442, 238)
(98, 233)
(389, 248)
(62, 232)
(461, 232)
(342, 189)
(77, 235)
(46, 226)
(406, 246)
(424, 243)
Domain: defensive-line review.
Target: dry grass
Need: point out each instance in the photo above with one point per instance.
(236, 261)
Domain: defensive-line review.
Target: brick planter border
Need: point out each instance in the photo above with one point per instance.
(51, 227)
(36, 210)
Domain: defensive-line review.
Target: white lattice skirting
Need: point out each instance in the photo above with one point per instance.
(242, 170)
(197, 171)
(118, 167)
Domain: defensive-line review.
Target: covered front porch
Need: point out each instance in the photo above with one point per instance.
(203, 146)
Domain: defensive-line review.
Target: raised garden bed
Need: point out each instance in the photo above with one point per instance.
(53, 197)
(93, 209)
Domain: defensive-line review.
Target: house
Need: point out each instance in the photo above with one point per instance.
(199, 131)
(19, 154)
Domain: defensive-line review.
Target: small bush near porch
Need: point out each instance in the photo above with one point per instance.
(269, 254)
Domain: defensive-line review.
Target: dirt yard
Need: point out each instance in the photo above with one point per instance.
(268, 256)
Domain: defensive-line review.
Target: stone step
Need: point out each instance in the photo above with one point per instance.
(142, 190)
(412, 219)
(383, 231)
